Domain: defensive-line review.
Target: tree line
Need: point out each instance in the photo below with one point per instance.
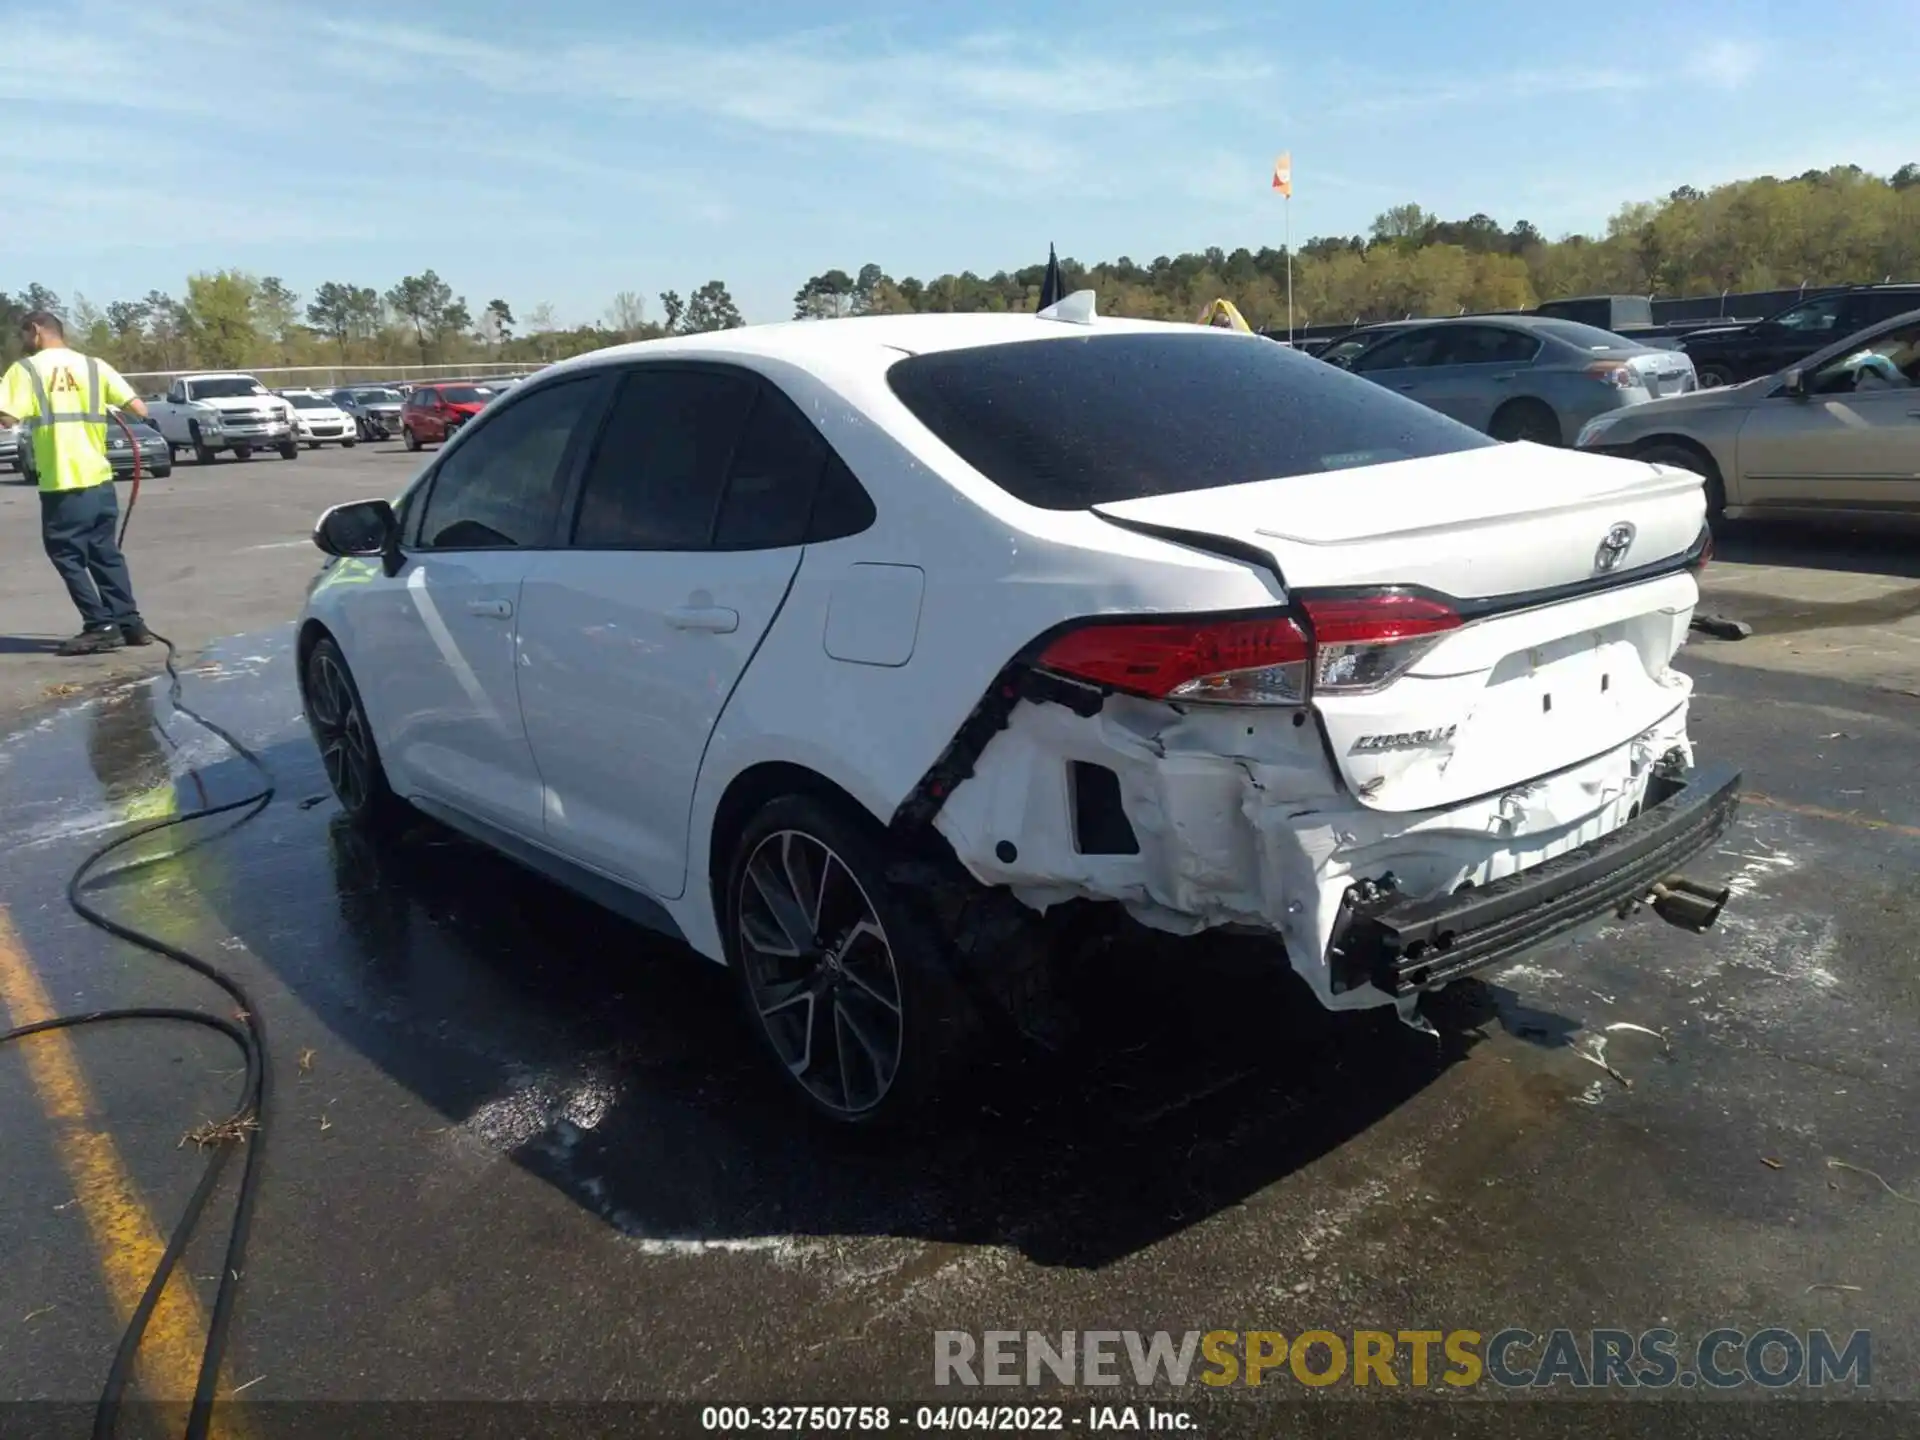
(230, 319)
(1831, 226)
(1823, 227)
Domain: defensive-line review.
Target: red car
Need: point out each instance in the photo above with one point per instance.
(433, 412)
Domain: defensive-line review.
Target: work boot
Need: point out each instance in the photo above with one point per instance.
(91, 642)
(137, 633)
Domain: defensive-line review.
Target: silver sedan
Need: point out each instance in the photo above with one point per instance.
(1838, 431)
(1521, 377)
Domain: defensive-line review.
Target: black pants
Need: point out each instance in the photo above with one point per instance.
(78, 526)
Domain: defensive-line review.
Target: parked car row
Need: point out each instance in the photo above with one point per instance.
(1514, 377)
(127, 436)
(1837, 430)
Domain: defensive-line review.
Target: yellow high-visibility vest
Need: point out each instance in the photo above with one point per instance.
(60, 398)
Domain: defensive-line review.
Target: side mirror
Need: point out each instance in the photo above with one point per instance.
(1793, 381)
(358, 528)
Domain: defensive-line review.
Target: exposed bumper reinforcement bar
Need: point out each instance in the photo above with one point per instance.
(1406, 945)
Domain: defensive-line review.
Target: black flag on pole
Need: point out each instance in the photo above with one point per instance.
(1052, 289)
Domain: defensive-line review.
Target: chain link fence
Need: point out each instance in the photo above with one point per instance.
(329, 377)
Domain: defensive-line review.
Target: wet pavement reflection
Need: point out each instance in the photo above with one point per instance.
(530, 1119)
(615, 1066)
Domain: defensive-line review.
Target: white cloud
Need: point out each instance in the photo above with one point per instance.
(1726, 64)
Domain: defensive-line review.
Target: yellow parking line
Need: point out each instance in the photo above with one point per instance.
(1821, 812)
(126, 1237)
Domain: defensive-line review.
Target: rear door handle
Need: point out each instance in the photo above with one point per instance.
(491, 609)
(1408, 386)
(716, 619)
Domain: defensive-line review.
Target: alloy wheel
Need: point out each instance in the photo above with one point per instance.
(341, 732)
(820, 972)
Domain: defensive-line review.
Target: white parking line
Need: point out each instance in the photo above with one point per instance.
(281, 545)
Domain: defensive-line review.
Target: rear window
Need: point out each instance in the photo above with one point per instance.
(1068, 423)
(1583, 337)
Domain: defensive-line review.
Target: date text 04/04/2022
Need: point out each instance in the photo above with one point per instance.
(1003, 1419)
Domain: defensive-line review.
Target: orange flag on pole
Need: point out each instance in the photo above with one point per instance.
(1283, 174)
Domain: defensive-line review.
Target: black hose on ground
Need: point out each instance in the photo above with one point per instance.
(245, 1127)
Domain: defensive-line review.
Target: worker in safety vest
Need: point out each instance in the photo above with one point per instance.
(59, 397)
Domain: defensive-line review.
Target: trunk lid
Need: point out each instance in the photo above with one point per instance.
(1535, 680)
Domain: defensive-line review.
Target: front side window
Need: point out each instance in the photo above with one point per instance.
(1814, 317)
(1890, 361)
(1414, 350)
(500, 487)
(658, 471)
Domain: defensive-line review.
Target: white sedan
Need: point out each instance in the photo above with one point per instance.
(318, 421)
(852, 652)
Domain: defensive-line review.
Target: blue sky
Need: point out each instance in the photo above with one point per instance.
(566, 150)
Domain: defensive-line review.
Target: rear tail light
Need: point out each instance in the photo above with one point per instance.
(1366, 642)
(1239, 662)
(1351, 645)
(1617, 373)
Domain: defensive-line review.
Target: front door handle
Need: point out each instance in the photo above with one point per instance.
(1408, 386)
(716, 619)
(491, 609)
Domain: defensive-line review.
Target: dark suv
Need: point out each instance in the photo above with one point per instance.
(1726, 355)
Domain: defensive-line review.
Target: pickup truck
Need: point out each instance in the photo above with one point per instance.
(211, 413)
(1729, 354)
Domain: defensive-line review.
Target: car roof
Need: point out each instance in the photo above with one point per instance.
(868, 336)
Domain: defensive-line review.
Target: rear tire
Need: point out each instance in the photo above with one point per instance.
(1685, 457)
(1526, 420)
(337, 718)
(860, 1013)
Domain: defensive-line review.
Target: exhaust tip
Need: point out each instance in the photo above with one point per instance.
(1689, 904)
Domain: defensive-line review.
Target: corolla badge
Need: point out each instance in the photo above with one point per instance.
(1614, 548)
(1404, 740)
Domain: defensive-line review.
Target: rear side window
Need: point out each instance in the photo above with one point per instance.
(1486, 345)
(656, 476)
(771, 483)
(1068, 423)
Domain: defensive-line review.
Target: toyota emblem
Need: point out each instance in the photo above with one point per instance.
(1614, 548)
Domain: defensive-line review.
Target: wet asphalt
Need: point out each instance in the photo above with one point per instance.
(522, 1150)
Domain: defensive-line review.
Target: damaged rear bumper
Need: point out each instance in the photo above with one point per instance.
(1402, 946)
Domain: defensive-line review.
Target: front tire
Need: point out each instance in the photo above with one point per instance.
(412, 440)
(312, 445)
(337, 718)
(290, 451)
(161, 472)
(243, 452)
(1713, 376)
(348, 444)
(844, 982)
(1685, 457)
